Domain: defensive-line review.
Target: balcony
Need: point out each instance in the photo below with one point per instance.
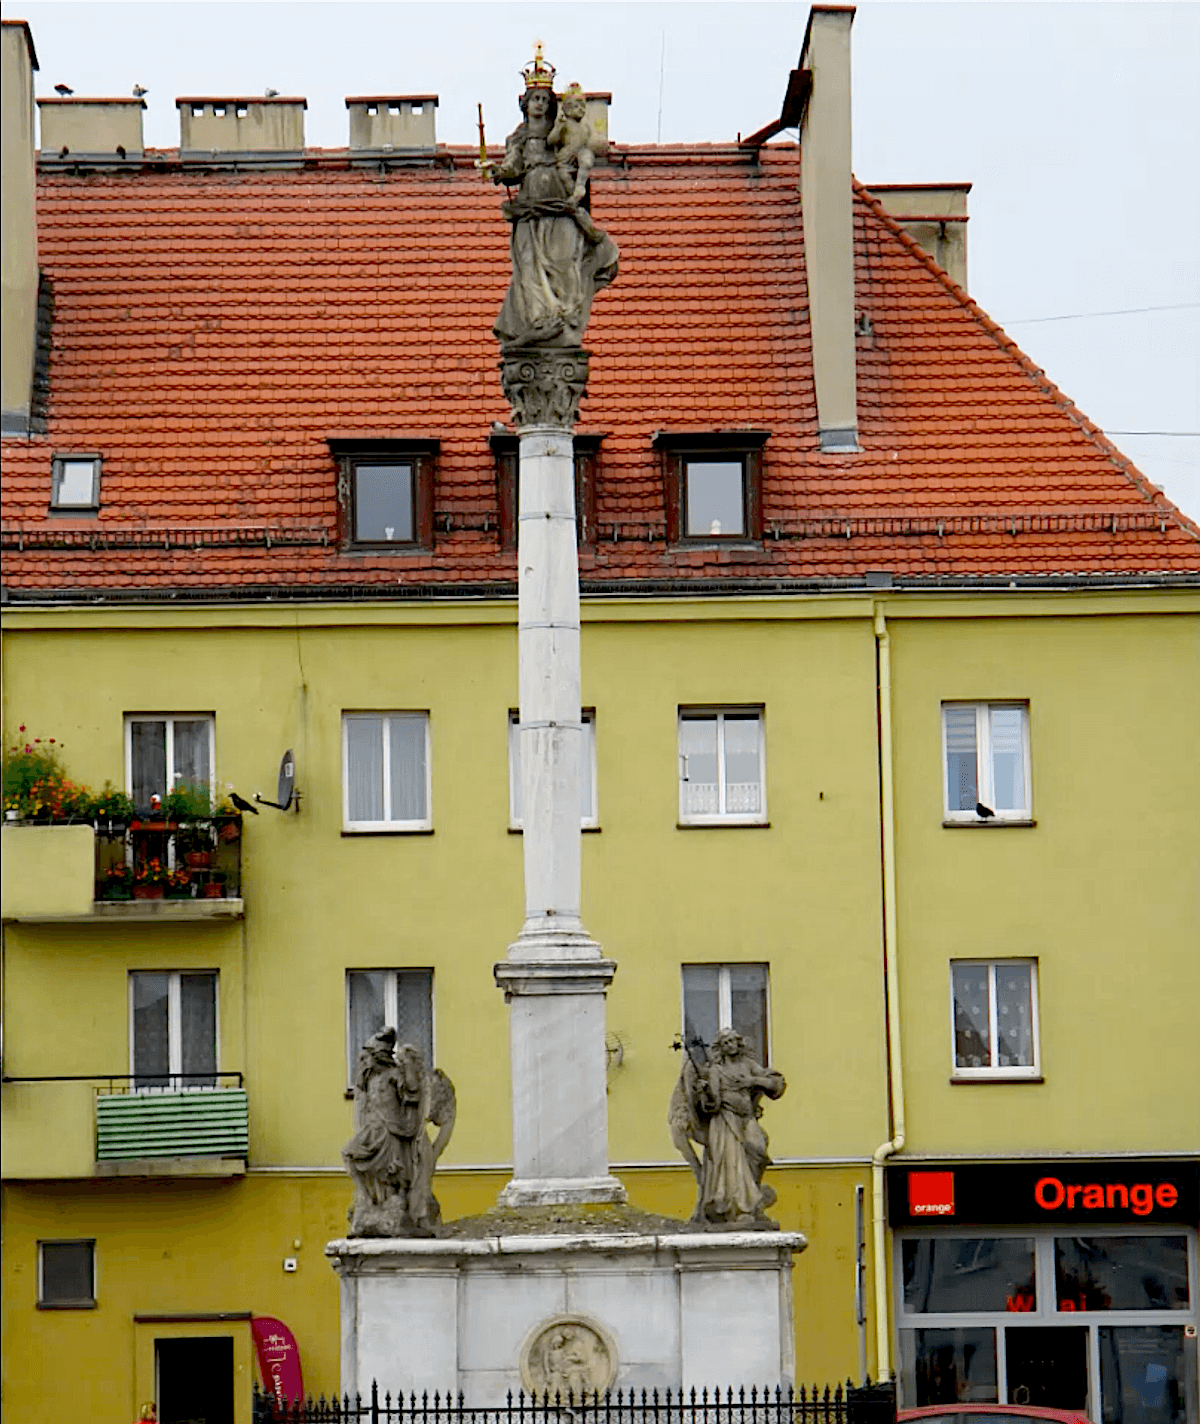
(151, 871)
(111, 1127)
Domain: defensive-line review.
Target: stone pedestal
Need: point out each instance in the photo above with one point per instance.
(485, 1316)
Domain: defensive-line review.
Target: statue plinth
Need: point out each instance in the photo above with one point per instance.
(544, 384)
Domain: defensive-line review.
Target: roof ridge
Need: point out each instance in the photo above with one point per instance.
(1151, 493)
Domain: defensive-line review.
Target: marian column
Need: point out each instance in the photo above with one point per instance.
(554, 976)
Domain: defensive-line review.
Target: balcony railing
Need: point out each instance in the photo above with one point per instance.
(155, 859)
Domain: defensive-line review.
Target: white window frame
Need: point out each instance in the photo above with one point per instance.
(1047, 1312)
(994, 1070)
(588, 714)
(721, 817)
(375, 827)
(725, 996)
(84, 1302)
(170, 718)
(88, 506)
(175, 1083)
(391, 1002)
(985, 791)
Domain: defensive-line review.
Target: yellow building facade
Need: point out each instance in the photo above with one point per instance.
(803, 894)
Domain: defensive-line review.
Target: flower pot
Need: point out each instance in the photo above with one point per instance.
(229, 831)
(123, 893)
(198, 859)
(149, 892)
(213, 890)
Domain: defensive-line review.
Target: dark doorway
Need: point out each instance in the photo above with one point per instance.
(195, 1381)
(1047, 1366)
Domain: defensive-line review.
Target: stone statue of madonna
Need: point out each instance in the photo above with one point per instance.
(560, 258)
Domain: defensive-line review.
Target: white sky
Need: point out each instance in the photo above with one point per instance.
(1077, 123)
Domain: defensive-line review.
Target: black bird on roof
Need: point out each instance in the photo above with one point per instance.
(985, 813)
(63, 89)
(242, 804)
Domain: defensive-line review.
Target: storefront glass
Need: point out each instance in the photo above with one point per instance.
(1147, 1375)
(1121, 1272)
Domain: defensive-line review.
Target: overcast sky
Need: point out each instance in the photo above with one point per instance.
(1078, 124)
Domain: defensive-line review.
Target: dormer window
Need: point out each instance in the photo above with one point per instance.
(506, 450)
(713, 485)
(75, 483)
(386, 494)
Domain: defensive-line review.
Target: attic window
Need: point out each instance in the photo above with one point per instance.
(713, 485)
(75, 482)
(385, 492)
(505, 448)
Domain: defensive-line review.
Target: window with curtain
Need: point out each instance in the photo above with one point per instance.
(717, 996)
(721, 766)
(389, 998)
(174, 1029)
(385, 771)
(162, 750)
(66, 1274)
(994, 1008)
(986, 758)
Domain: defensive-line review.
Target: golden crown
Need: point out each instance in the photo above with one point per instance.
(539, 73)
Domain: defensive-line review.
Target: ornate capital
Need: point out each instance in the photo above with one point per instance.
(544, 384)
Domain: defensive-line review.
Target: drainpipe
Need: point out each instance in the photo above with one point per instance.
(895, 1143)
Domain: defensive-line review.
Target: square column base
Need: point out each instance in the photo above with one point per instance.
(555, 1191)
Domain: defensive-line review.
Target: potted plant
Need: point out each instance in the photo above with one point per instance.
(116, 883)
(179, 884)
(110, 810)
(150, 879)
(214, 886)
(36, 786)
(227, 819)
(189, 804)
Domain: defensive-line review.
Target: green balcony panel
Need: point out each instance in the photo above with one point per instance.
(208, 1123)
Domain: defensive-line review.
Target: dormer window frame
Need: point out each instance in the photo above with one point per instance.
(58, 476)
(505, 447)
(416, 454)
(683, 451)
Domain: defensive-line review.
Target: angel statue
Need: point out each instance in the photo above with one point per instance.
(717, 1105)
(560, 258)
(391, 1158)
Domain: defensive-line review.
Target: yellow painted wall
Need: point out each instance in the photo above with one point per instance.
(48, 870)
(1104, 891)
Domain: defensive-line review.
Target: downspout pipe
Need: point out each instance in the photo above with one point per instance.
(891, 989)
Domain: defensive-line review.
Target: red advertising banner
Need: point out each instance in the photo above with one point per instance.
(278, 1358)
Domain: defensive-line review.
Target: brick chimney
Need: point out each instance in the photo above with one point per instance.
(248, 130)
(18, 233)
(826, 199)
(91, 130)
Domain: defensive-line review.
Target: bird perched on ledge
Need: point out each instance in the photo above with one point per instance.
(242, 804)
(138, 91)
(63, 90)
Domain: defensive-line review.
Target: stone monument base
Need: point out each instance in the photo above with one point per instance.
(583, 1311)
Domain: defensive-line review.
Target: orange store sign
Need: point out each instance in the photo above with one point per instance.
(1020, 1193)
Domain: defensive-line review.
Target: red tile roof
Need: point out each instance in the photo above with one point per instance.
(214, 329)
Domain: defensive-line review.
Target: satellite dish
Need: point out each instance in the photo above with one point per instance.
(286, 790)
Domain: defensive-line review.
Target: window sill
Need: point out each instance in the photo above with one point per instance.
(66, 1305)
(993, 824)
(722, 825)
(584, 830)
(999, 1078)
(349, 833)
(396, 550)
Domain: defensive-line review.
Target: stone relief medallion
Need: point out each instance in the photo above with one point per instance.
(568, 1355)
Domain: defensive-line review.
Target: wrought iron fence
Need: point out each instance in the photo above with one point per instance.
(839, 1404)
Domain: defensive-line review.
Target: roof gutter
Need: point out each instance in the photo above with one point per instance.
(891, 989)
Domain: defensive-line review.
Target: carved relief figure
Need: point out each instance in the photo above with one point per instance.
(560, 258)
(569, 1357)
(390, 1158)
(717, 1104)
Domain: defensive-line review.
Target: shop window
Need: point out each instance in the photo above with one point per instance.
(388, 998)
(385, 490)
(713, 483)
(1147, 1374)
(589, 817)
(722, 763)
(994, 1018)
(986, 761)
(75, 483)
(163, 749)
(506, 450)
(173, 1036)
(944, 1275)
(1121, 1272)
(718, 996)
(385, 771)
(949, 1366)
(66, 1274)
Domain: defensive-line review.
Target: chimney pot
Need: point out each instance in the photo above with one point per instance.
(386, 123)
(92, 129)
(247, 126)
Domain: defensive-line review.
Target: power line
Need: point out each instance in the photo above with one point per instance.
(1170, 434)
(1086, 316)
